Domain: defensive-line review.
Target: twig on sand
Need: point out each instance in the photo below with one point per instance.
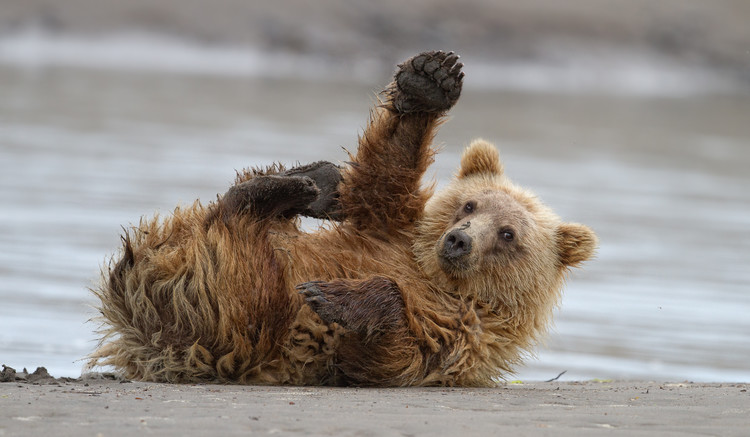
(556, 377)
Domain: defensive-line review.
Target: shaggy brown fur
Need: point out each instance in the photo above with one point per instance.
(409, 289)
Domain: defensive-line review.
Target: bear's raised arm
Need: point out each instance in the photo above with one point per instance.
(381, 189)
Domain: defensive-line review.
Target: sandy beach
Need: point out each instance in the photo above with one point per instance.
(109, 407)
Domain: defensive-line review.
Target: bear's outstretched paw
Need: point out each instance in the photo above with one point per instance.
(429, 82)
(271, 195)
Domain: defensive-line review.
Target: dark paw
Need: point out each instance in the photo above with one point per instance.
(326, 177)
(367, 307)
(272, 195)
(428, 82)
(316, 298)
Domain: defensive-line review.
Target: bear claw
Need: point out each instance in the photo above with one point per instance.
(310, 289)
(315, 297)
(429, 82)
(313, 293)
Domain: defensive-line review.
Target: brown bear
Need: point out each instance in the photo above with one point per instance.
(404, 287)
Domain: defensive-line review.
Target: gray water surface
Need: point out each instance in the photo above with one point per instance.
(663, 180)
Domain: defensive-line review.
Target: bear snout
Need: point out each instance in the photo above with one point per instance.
(456, 245)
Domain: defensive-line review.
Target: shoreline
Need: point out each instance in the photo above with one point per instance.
(597, 68)
(101, 405)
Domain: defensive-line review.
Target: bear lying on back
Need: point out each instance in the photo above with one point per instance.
(406, 288)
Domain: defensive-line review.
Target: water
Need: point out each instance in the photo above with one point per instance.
(662, 179)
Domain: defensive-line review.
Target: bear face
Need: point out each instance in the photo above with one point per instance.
(489, 227)
(487, 239)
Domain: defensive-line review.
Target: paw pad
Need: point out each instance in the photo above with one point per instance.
(428, 82)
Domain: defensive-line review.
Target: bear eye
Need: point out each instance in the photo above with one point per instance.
(470, 207)
(507, 235)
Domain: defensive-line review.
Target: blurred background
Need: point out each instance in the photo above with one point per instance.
(631, 116)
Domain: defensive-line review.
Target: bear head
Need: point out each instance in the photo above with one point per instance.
(485, 239)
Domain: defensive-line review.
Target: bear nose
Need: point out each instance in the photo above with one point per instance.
(457, 244)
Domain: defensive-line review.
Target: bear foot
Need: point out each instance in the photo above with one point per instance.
(327, 177)
(271, 195)
(429, 82)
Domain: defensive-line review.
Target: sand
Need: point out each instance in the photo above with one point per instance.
(103, 405)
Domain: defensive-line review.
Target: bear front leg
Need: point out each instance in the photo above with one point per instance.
(382, 189)
(378, 345)
(369, 308)
(270, 196)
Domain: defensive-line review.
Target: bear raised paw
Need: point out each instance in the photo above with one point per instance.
(410, 287)
(428, 82)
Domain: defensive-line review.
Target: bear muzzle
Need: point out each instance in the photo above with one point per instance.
(456, 249)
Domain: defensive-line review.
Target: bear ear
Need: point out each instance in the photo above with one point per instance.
(480, 157)
(575, 243)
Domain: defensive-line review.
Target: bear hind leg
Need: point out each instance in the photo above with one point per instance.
(271, 196)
